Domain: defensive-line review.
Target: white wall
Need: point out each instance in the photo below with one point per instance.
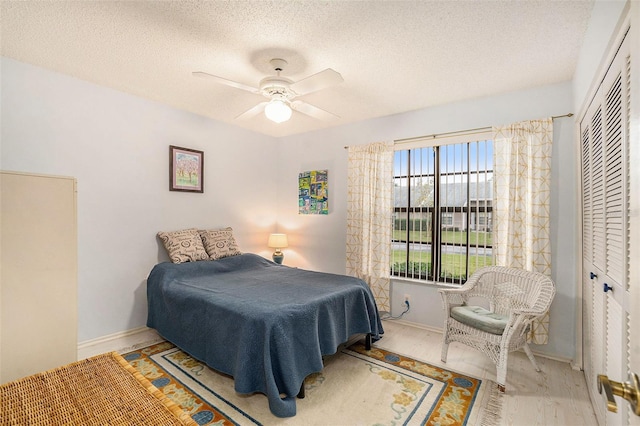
(59, 125)
(318, 242)
(117, 146)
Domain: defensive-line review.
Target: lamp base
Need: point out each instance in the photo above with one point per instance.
(278, 257)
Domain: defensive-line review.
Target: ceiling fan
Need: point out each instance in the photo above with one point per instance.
(282, 93)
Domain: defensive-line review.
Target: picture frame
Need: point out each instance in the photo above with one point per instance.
(186, 169)
(313, 192)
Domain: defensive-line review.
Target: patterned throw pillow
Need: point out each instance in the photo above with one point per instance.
(219, 243)
(184, 246)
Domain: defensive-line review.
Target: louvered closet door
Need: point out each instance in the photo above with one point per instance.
(605, 199)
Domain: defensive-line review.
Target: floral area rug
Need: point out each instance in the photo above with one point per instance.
(356, 387)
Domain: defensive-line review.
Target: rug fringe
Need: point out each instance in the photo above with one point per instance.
(491, 415)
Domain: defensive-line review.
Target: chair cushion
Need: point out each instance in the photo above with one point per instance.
(480, 318)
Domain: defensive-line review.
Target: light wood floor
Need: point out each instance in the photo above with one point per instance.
(555, 396)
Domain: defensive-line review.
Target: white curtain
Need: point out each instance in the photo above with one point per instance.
(369, 213)
(522, 177)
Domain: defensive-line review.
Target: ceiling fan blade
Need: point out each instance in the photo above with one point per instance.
(313, 111)
(225, 81)
(315, 82)
(252, 112)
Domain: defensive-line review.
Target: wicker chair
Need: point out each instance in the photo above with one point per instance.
(515, 298)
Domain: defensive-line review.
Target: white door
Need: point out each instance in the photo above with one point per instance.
(610, 138)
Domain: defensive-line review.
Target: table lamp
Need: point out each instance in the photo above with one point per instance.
(278, 242)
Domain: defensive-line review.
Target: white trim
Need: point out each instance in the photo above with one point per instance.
(610, 52)
(439, 331)
(578, 362)
(576, 367)
(120, 342)
(419, 325)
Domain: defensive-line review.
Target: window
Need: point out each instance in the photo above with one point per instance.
(442, 224)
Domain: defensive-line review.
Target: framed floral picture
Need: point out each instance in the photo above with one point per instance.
(186, 169)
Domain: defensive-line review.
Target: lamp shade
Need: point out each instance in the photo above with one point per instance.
(278, 241)
(277, 111)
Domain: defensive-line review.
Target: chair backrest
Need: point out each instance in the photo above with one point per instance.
(511, 288)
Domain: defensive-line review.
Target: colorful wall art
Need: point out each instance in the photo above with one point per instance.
(313, 195)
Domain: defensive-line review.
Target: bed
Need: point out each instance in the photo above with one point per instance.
(265, 324)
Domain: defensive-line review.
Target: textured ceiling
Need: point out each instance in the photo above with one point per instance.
(394, 56)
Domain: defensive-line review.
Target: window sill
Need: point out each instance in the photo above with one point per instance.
(425, 283)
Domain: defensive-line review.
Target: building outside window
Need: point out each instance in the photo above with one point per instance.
(443, 192)
(447, 219)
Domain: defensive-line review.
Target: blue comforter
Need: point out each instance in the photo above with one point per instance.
(265, 324)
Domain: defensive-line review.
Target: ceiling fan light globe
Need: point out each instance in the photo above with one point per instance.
(277, 111)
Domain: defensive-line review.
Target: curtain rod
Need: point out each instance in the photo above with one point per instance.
(477, 129)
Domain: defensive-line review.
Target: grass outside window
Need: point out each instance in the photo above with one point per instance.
(453, 263)
(453, 237)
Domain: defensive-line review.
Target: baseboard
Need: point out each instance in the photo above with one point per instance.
(419, 325)
(576, 367)
(140, 337)
(536, 353)
(121, 342)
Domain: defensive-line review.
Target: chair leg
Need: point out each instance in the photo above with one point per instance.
(501, 370)
(445, 349)
(527, 350)
(501, 378)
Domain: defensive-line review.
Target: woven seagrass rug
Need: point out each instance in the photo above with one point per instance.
(101, 390)
(356, 387)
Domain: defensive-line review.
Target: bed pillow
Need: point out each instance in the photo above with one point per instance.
(219, 243)
(184, 246)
